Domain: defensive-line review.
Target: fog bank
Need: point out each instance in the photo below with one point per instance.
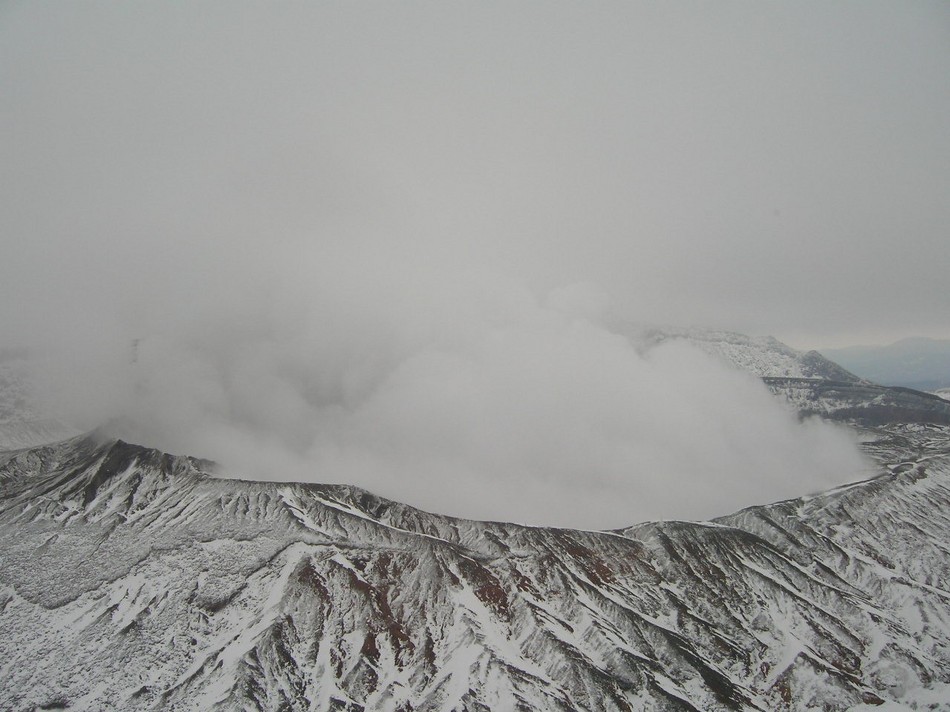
(374, 243)
(472, 398)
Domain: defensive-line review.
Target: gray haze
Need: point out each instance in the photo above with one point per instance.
(918, 363)
(348, 234)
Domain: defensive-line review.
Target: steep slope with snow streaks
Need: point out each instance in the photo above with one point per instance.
(132, 579)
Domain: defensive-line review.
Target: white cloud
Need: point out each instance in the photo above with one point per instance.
(344, 234)
(488, 405)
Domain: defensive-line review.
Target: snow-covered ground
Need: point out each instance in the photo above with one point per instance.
(132, 580)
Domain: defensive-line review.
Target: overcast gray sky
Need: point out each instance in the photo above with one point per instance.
(777, 168)
(343, 185)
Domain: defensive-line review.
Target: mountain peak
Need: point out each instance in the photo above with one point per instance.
(763, 356)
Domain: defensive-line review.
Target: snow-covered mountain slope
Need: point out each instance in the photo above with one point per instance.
(132, 579)
(136, 580)
(864, 403)
(762, 356)
(809, 382)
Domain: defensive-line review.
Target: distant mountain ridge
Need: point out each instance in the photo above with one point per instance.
(920, 363)
(806, 380)
(763, 356)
